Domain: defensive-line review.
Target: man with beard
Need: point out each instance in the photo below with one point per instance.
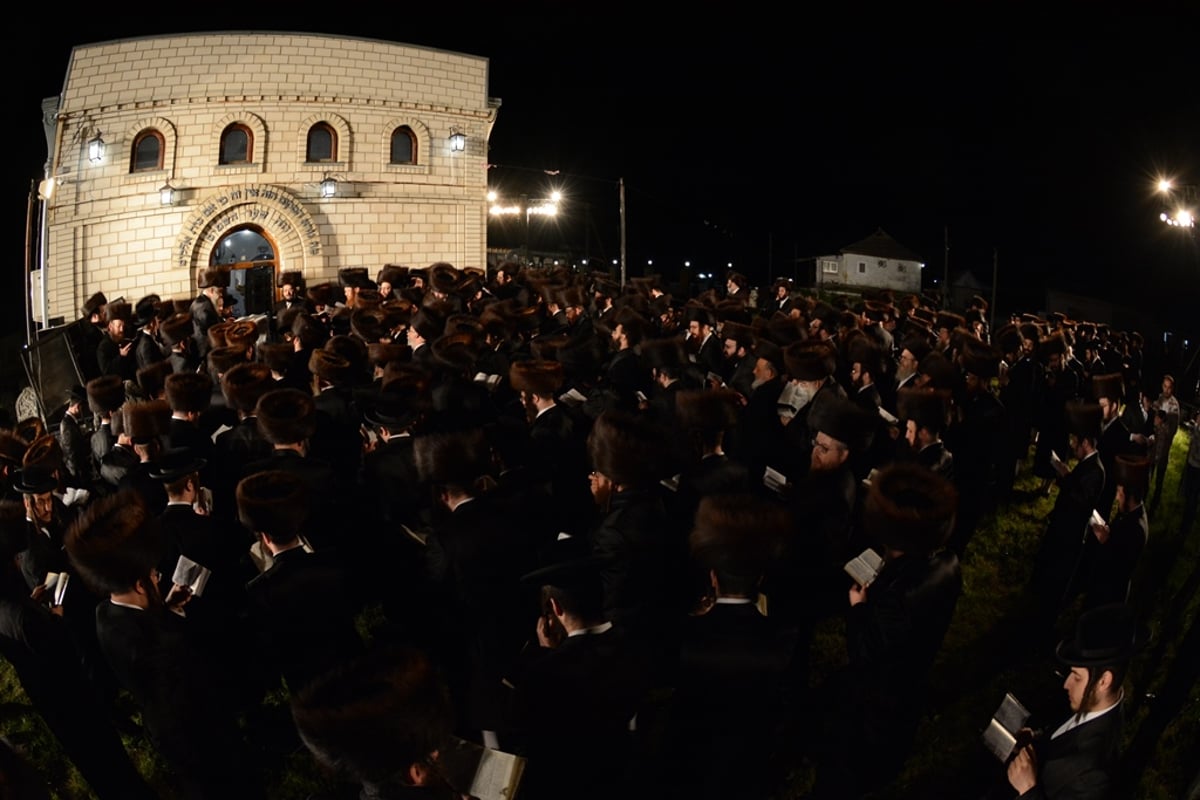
(1060, 386)
(924, 413)
(810, 368)
(206, 308)
(627, 374)
(738, 368)
(912, 350)
(1115, 439)
(115, 550)
(701, 340)
(147, 348)
(114, 354)
(1113, 557)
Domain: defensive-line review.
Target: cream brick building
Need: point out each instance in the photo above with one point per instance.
(244, 127)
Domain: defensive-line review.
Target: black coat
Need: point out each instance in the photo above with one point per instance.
(1055, 578)
(1079, 764)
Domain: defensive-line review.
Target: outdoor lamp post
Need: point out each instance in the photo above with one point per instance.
(524, 208)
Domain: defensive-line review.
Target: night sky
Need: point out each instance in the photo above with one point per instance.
(757, 139)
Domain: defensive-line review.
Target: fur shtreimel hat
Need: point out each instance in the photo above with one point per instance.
(739, 534)
(273, 502)
(941, 371)
(1084, 420)
(286, 416)
(216, 333)
(810, 360)
(12, 448)
(443, 277)
(211, 277)
(105, 394)
(175, 329)
(1111, 386)
(152, 378)
(118, 309)
(738, 332)
(241, 334)
(276, 355)
(188, 391)
(224, 358)
(707, 409)
(928, 408)
(44, 451)
(244, 384)
(113, 544)
(627, 449)
(910, 508)
(980, 359)
(292, 277)
(332, 367)
(457, 458)
(541, 377)
(1008, 339)
(94, 304)
(844, 420)
(147, 420)
(664, 353)
(395, 275)
(863, 350)
(321, 294)
(1133, 473)
(1055, 343)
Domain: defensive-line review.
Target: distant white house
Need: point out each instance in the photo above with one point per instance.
(876, 262)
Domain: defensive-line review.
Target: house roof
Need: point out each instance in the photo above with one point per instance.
(880, 245)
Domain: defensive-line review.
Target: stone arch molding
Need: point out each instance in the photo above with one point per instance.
(336, 122)
(163, 126)
(419, 129)
(281, 214)
(257, 127)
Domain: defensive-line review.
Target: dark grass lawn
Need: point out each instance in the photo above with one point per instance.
(986, 654)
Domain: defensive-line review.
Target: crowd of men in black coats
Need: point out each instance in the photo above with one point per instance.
(602, 522)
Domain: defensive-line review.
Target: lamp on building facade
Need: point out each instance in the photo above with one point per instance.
(96, 149)
(166, 195)
(458, 141)
(329, 186)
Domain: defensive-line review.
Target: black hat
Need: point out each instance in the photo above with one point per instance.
(842, 419)
(1111, 386)
(77, 394)
(146, 309)
(1133, 473)
(176, 463)
(1084, 420)
(1105, 636)
(35, 479)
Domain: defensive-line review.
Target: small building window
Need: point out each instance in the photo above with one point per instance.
(829, 267)
(237, 145)
(404, 146)
(322, 143)
(862, 266)
(148, 147)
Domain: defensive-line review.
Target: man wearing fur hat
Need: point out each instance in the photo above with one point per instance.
(147, 348)
(1113, 557)
(924, 413)
(105, 397)
(738, 370)
(290, 286)
(91, 330)
(1055, 572)
(207, 307)
(114, 354)
(810, 367)
(894, 629)
(1060, 386)
(75, 442)
(1115, 439)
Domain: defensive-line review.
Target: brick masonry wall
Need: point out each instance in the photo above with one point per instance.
(107, 229)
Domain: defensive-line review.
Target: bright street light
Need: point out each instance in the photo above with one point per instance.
(1164, 185)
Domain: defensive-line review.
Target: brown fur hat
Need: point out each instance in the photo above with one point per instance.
(44, 451)
(941, 371)
(1111, 386)
(863, 350)
(368, 324)
(540, 377)
(188, 391)
(980, 358)
(175, 329)
(395, 275)
(321, 294)
(105, 394)
(212, 277)
(1008, 339)
(380, 354)
(114, 543)
(12, 448)
(224, 358)
(273, 502)
(241, 334)
(928, 408)
(276, 355)
(739, 534)
(332, 367)
(457, 351)
(910, 508)
(1084, 419)
(811, 360)
(844, 420)
(443, 277)
(738, 332)
(665, 353)
(147, 420)
(118, 309)
(456, 458)
(1133, 473)
(94, 305)
(216, 334)
(627, 449)
(286, 416)
(1054, 343)
(152, 378)
(294, 277)
(244, 383)
(707, 409)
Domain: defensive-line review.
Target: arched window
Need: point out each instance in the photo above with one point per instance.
(147, 155)
(322, 143)
(237, 145)
(404, 146)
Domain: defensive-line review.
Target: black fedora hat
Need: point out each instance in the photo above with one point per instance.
(1104, 636)
(35, 479)
(176, 463)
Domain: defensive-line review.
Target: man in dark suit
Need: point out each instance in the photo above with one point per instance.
(1055, 572)
(1079, 758)
(206, 308)
(1112, 558)
(1115, 439)
(115, 550)
(75, 444)
(147, 349)
(583, 683)
(302, 607)
(114, 353)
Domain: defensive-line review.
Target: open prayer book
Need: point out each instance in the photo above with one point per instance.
(774, 480)
(192, 575)
(490, 381)
(1001, 735)
(573, 397)
(480, 771)
(56, 585)
(864, 567)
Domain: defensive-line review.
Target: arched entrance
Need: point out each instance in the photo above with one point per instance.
(250, 256)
